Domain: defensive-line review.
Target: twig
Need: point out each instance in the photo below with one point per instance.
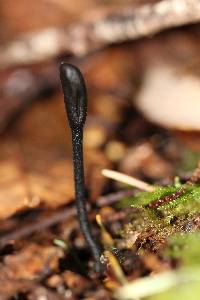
(109, 199)
(33, 227)
(128, 180)
(51, 220)
(104, 28)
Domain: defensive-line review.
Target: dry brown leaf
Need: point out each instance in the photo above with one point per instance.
(75, 282)
(9, 287)
(31, 261)
(35, 161)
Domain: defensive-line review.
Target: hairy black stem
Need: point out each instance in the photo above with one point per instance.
(75, 97)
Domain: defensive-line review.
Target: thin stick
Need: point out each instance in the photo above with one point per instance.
(109, 199)
(128, 180)
(33, 227)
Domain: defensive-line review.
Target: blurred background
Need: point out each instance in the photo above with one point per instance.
(141, 63)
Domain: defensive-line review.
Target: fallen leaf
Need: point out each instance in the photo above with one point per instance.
(35, 161)
(29, 262)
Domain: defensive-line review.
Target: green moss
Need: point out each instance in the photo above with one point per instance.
(188, 290)
(185, 248)
(188, 202)
(144, 198)
(154, 225)
(189, 160)
(171, 230)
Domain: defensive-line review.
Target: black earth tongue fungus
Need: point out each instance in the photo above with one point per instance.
(75, 98)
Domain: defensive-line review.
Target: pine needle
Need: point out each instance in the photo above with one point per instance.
(106, 237)
(128, 180)
(115, 266)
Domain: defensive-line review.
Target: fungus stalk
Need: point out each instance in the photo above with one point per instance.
(75, 98)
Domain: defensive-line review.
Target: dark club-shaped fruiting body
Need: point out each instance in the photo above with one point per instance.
(75, 98)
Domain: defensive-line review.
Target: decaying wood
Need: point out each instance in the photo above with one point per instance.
(103, 28)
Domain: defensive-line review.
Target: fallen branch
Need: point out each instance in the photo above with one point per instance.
(104, 28)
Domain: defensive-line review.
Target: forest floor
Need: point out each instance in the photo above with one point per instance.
(151, 238)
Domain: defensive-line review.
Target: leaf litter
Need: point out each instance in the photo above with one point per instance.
(143, 233)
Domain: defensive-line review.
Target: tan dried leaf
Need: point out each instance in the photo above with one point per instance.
(35, 162)
(31, 261)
